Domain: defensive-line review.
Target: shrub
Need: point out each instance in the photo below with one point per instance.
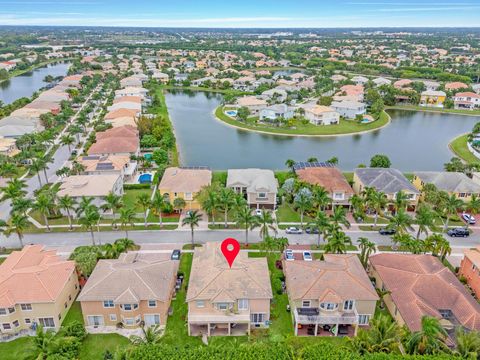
(75, 329)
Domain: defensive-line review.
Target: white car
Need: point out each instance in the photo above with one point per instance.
(258, 212)
(468, 218)
(307, 256)
(289, 255)
(293, 230)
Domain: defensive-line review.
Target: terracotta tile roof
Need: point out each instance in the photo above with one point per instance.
(329, 178)
(118, 162)
(134, 99)
(33, 275)
(185, 179)
(212, 279)
(122, 139)
(420, 285)
(120, 113)
(338, 277)
(131, 278)
(88, 185)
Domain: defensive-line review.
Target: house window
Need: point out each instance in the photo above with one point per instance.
(338, 196)
(306, 303)
(65, 305)
(127, 307)
(462, 195)
(188, 196)
(46, 322)
(113, 317)
(108, 304)
(28, 321)
(222, 306)
(242, 304)
(16, 323)
(59, 316)
(328, 306)
(129, 321)
(11, 310)
(363, 319)
(152, 320)
(6, 326)
(3, 311)
(262, 195)
(257, 318)
(26, 307)
(200, 303)
(69, 297)
(152, 303)
(348, 305)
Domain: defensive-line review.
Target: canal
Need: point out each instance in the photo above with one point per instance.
(26, 84)
(413, 140)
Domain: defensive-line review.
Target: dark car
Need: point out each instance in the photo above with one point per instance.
(458, 232)
(175, 255)
(309, 230)
(387, 231)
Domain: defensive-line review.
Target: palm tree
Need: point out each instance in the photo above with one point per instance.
(179, 204)
(438, 245)
(290, 164)
(43, 205)
(339, 217)
(265, 221)
(90, 218)
(208, 199)
(127, 215)
(8, 170)
(321, 197)
(113, 202)
(17, 224)
(378, 201)
(67, 203)
(424, 218)
(337, 243)
(400, 201)
(67, 140)
(451, 206)
(303, 202)
(320, 223)
(429, 340)
(21, 205)
(144, 201)
(401, 222)
(192, 219)
(152, 335)
(124, 244)
(43, 343)
(367, 247)
(36, 166)
(245, 217)
(468, 343)
(226, 200)
(157, 205)
(383, 336)
(473, 206)
(84, 204)
(15, 188)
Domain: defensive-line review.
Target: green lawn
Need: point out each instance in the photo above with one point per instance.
(286, 213)
(344, 127)
(16, 350)
(130, 198)
(459, 148)
(94, 346)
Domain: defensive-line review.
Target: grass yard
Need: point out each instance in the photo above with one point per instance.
(94, 346)
(344, 127)
(18, 349)
(74, 314)
(130, 198)
(459, 148)
(286, 213)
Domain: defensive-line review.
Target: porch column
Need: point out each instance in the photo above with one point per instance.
(296, 327)
(356, 330)
(316, 329)
(208, 329)
(336, 329)
(189, 330)
(249, 328)
(229, 329)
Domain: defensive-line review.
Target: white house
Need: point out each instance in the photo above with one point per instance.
(349, 109)
(466, 100)
(276, 111)
(322, 115)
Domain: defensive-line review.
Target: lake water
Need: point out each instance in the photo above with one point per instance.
(412, 141)
(26, 84)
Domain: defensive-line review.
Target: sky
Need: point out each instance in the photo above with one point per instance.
(243, 13)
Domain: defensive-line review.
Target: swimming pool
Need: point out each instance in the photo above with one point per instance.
(231, 113)
(145, 179)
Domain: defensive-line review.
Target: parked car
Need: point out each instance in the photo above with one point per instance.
(258, 212)
(387, 231)
(458, 232)
(293, 230)
(310, 230)
(175, 255)
(307, 256)
(289, 255)
(74, 152)
(468, 218)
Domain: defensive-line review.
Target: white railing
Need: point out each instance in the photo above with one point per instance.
(346, 318)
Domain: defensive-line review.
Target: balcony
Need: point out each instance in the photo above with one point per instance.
(314, 316)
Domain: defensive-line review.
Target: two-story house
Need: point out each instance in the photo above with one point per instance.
(332, 297)
(470, 269)
(224, 300)
(454, 183)
(134, 290)
(321, 115)
(258, 186)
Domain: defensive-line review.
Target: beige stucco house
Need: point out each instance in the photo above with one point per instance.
(330, 297)
(227, 301)
(132, 290)
(37, 288)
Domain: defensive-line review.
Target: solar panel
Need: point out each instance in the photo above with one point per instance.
(90, 157)
(105, 166)
(306, 164)
(195, 167)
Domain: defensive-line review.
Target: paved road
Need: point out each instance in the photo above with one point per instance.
(201, 236)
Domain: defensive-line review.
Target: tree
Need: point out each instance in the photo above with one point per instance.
(473, 206)
(429, 340)
(401, 201)
(208, 199)
(85, 202)
(266, 223)
(468, 343)
(339, 217)
(127, 215)
(243, 113)
(245, 218)
(144, 201)
(380, 161)
(68, 140)
(401, 222)
(21, 205)
(303, 201)
(383, 336)
(90, 218)
(15, 188)
(321, 197)
(425, 219)
(152, 335)
(450, 207)
(438, 245)
(113, 202)
(377, 200)
(8, 170)
(192, 219)
(17, 224)
(377, 108)
(179, 204)
(320, 223)
(290, 164)
(367, 248)
(226, 200)
(43, 343)
(157, 205)
(337, 243)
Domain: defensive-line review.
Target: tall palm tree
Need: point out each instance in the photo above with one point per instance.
(113, 202)
(473, 206)
(290, 164)
(43, 205)
(226, 201)
(245, 218)
(424, 218)
(339, 217)
(68, 140)
(127, 216)
(429, 340)
(43, 343)
(320, 223)
(17, 224)
(359, 206)
(468, 343)
(337, 243)
(367, 248)
(400, 201)
(382, 336)
(157, 205)
(303, 202)
(401, 222)
(438, 245)
(8, 170)
(265, 221)
(90, 218)
(451, 206)
(84, 204)
(209, 201)
(21, 205)
(15, 188)
(192, 219)
(152, 335)
(36, 166)
(67, 203)
(378, 201)
(321, 197)
(144, 201)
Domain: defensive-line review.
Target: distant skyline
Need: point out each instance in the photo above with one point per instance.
(243, 13)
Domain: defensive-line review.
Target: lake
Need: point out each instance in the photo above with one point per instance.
(413, 140)
(26, 84)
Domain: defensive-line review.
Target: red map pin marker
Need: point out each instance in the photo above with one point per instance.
(230, 249)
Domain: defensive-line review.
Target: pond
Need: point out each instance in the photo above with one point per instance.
(413, 141)
(26, 84)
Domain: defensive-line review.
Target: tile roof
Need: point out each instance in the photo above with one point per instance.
(177, 179)
(449, 181)
(420, 285)
(389, 181)
(255, 180)
(33, 275)
(328, 177)
(88, 185)
(473, 255)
